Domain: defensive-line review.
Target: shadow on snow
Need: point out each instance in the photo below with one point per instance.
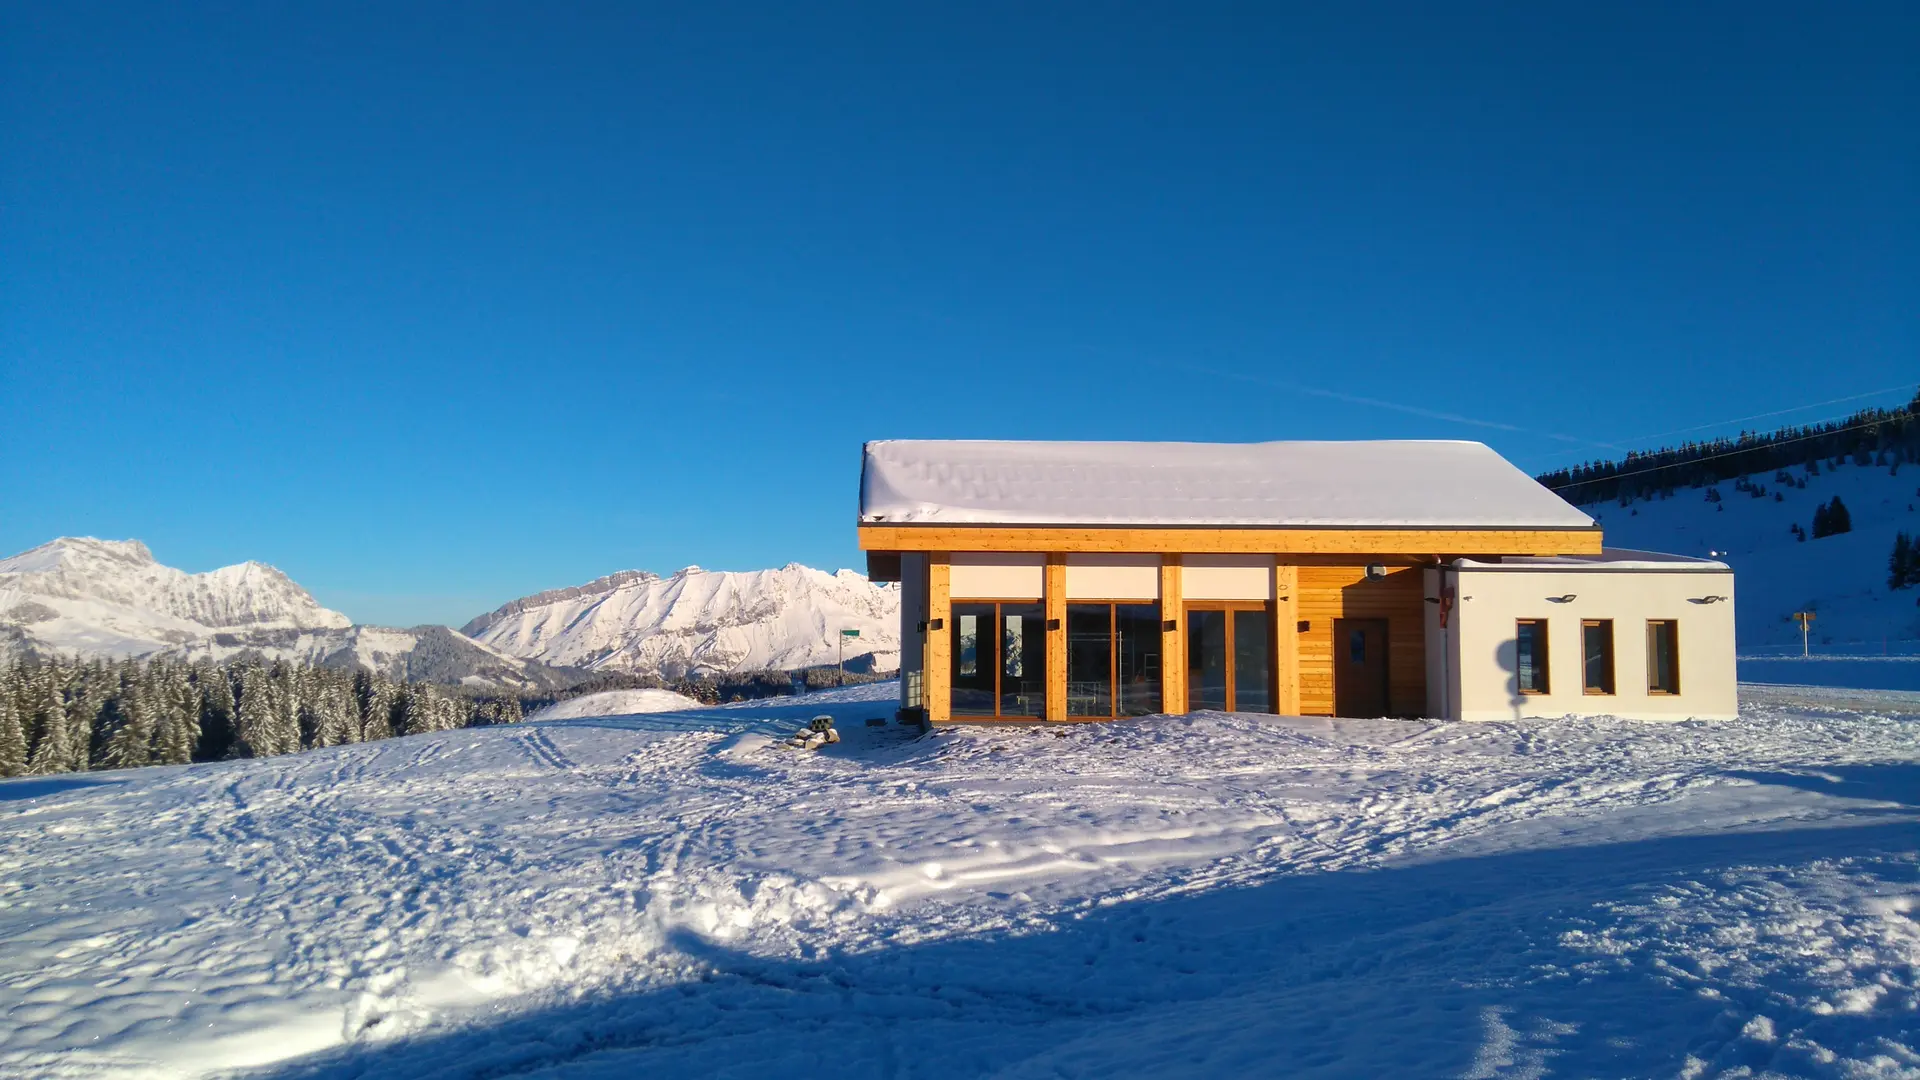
(36, 786)
(1444, 968)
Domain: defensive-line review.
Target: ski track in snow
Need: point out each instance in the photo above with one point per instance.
(679, 894)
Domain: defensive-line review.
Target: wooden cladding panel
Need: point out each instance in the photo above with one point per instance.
(1173, 643)
(1243, 541)
(1326, 593)
(1286, 639)
(937, 682)
(1055, 600)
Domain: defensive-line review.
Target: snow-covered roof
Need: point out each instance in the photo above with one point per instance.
(1608, 559)
(1380, 484)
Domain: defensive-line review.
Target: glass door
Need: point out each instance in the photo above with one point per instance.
(1113, 659)
(999, 660)
(1229, 658)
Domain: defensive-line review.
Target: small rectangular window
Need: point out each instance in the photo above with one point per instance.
(1596, 655)
(1530, 655)
(969, 644)
(1663, 656)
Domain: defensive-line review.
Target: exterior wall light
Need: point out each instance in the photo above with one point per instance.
(1376, 572)
(1566, 599)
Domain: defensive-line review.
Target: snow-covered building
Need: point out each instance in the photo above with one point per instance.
(1090, 580)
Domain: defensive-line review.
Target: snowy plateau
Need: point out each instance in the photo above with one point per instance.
(678, 894)
(702, 622)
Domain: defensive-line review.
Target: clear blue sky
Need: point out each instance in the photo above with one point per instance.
(435, 305)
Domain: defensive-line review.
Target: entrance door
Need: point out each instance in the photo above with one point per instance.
(1229, 658)
(1360, 667)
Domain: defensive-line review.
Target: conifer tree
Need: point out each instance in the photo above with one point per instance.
(1820, 523)
(128, 735)
(177, 730)
(93, 686)
(1900, 563)
(378, 698)
(217, 707)
(13, 734)
(48, 748)
(1838, 519)
(288, 690)
(253, 717)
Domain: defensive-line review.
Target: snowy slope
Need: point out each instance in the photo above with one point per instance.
(1841, 578)
(616, 703)
(702, 621)
(110, 598)
(677, 895)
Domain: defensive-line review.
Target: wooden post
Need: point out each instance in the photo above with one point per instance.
(1054, 598)
(1286, 639)
(937, 681)
(1173, 642)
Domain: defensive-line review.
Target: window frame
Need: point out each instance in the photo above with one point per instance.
(1612, 687)
(1542, 665)
(998, 660)
(1673, 629)
(1228, 608)
(1113, 657)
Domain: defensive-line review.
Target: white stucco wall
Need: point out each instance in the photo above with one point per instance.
(996, 576)
(1226, 577)
(1113, 577)
(1480, 644)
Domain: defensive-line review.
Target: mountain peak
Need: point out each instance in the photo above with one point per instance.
(111, 597)
(72, 551)
(701, 621)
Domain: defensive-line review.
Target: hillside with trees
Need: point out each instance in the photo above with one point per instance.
(1815, 528)
(1884, 437)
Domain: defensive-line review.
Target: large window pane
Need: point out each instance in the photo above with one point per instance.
(1596, 656)
(1663, 657)
(973, 651)
(1206, 660)
(1089, 660)
(1530, 656)
(1023, 660)
(1137, 627)
(1250, 667)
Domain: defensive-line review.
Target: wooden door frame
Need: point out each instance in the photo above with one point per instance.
(1265, 608)
(998, 661)
(1386, 662)
(1113, 655)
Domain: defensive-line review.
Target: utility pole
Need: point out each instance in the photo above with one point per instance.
(1803, 618)
(844, 635)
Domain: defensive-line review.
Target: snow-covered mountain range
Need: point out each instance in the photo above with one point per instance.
(111, 598)
(78, 596)
(702, 621)
(1842, 579)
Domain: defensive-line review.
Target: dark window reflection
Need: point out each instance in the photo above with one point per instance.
(999, 660)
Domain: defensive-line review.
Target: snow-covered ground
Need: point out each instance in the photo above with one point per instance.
(676, 894)
(616, 703)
